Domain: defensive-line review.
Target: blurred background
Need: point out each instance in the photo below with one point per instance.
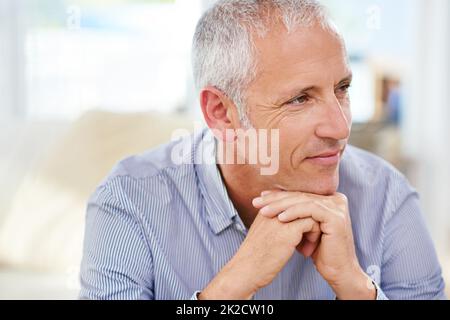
(84, 83)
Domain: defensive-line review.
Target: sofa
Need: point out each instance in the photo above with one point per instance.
(48, 170)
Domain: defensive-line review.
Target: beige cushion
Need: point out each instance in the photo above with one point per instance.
(44, 227)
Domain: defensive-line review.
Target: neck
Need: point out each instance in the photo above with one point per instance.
(242, 189)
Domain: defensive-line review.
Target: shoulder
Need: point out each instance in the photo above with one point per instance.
(364, 168)
(165, 159)
(151, 178)
(369, 178)
(147, 165)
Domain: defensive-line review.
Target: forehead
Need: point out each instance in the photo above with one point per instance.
(309, 54)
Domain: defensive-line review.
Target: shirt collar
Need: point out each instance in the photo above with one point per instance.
(220, 211)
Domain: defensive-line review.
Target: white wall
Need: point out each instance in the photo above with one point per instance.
(426, 133)
(11, 60)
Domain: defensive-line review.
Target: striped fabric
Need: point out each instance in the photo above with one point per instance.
(160, 230)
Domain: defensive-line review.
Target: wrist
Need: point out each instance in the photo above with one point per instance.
(229, 284)
(356, 286)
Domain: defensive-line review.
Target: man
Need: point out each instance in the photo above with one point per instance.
(330, 222)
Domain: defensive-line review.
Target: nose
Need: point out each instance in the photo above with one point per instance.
(334, 123)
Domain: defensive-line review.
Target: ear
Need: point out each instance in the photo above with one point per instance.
(220, 113)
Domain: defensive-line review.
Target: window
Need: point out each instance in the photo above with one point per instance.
(381, 38)
(134, 55)
(123, 56)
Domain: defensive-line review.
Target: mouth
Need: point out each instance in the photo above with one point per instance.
(327, 158)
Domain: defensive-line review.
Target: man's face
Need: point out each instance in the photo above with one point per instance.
(301, 89)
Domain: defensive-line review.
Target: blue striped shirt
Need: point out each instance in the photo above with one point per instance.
(156, 229)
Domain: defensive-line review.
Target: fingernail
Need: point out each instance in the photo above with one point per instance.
(265, 211)
(265, 193)
(257, 202)
(282, 217)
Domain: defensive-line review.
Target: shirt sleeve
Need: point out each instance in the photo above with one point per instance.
(112, 268)
(380, 294)
(410, 268)
(195, 295)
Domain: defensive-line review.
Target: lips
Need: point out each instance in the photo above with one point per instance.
(328, 154)
(327, 158)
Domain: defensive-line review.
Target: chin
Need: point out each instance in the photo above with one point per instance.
(326, 190)
(326, 184)
(323, 185)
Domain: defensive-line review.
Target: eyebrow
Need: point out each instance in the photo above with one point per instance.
(298, 92)
(347, 79)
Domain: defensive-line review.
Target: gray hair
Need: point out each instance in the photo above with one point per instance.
(223, 48)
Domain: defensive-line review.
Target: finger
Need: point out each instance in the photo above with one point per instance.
(310, 241)
(316, 210)
(266, 193)
(270, 197)
(308, 248)
(301, 246)
(275, 208)
(298, 211)
(301, 227)
(315, 234)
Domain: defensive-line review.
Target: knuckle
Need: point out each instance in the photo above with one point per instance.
(342, 197)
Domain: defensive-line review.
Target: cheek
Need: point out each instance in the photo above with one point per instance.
(272, 119)
(295, 134)
(276, 117)
(297, 128)
(348, 113)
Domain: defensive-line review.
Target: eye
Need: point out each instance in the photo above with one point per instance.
(301, 100)
(343, 89)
